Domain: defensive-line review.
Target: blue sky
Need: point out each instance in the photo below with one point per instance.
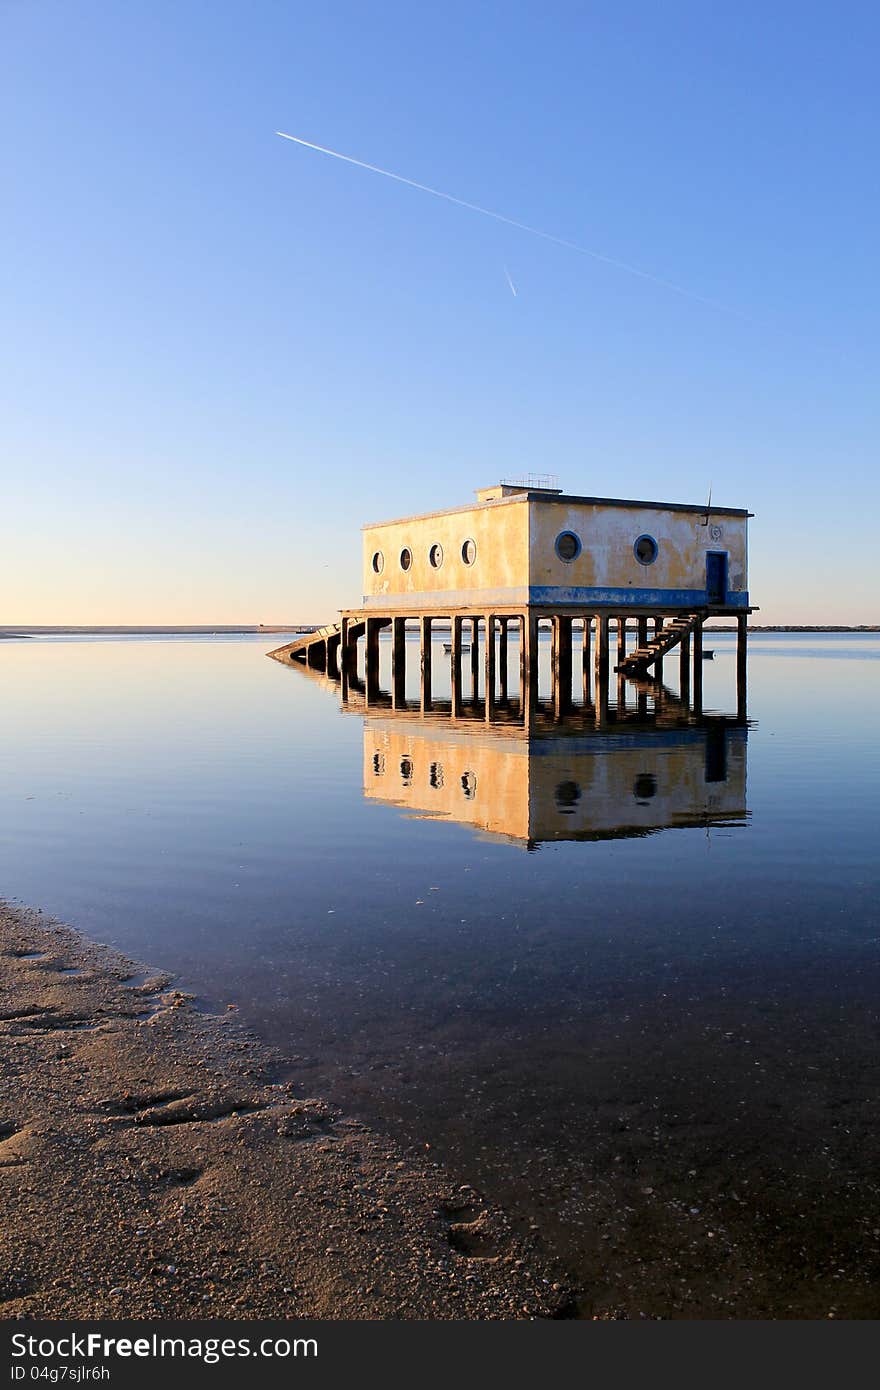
(223, 353)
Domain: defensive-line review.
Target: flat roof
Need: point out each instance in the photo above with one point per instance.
(564, 498)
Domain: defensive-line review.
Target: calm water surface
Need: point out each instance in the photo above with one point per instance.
(624, 982)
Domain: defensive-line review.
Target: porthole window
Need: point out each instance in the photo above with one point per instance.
(435, 556)
(469, 785)
(435, 776)
(568, 546)
(646, 550)
(405, 558)
(469, 552)
(568, 794)
(378, 562)
(645, 787)
(379, 764)
(406, 771)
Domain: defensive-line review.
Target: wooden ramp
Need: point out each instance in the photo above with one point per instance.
(319, 649)
(663, 641)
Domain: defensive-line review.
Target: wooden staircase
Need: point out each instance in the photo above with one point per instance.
(636, 663)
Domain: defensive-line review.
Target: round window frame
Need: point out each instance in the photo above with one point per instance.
(568, 559)
(406, 567)
(438, 563)
(378, 562)
(464, 546)
(645, 536)
(644, 788)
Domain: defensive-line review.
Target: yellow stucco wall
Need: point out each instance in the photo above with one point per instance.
(497, 784)
(500, 531)
(608, 534)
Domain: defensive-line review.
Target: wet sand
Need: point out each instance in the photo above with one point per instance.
(153, 1165)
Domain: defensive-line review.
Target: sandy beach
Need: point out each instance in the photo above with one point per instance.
(152, 1164)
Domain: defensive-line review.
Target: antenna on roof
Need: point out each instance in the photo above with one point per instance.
(708, 507)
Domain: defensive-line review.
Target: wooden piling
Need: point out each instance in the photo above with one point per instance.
(601, 669)
(684, 666)
(371, 669)
(456, 666)
(344, 658)
(502, 659)
(489, 672)
(425, 662)
(398, 663)
(475, 659)
(561, 665)
(698, 668)
(529, 665)
(585, 660)
(742, 638)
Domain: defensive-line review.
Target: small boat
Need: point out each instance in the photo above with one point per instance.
(709, 656)
(447, 647)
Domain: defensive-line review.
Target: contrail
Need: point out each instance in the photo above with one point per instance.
(510, 282)
(520, 226)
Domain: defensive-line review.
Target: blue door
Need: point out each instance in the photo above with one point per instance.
(716, 576)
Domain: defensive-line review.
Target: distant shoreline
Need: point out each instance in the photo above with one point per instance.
(13, 631)
(798, 627)
(204, 630)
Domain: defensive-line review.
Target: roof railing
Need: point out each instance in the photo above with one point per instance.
(535, 482)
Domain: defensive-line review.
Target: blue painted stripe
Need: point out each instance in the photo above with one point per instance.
(549, 594)
(638, 598)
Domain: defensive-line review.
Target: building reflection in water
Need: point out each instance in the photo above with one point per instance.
(563, 780)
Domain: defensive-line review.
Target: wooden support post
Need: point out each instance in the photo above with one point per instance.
(371, 671)
(621, 638)
(585, 660)
(684, 668)
(333, 657)
(489, 673)
(529, 666)
(425, 663)
(456, 666)
(344, 658)
(642, 639)
(398, 663)
(566, 658)
(502, 660)
(523, 659)
(742, 638)
(601, 668)
(475, 658)
(562, 666)
(698, 668)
